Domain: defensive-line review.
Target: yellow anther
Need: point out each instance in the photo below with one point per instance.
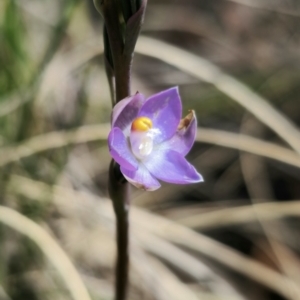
(141, 124)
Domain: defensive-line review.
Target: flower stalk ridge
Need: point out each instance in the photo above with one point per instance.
(149, 140)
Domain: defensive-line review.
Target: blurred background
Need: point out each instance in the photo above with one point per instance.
(234, 237)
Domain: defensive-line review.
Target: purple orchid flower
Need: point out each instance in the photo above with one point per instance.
(149, 140)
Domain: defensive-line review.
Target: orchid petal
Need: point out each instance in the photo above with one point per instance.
(184, 138)
(171, 166)
(164, 110)
(126, 110)
(119, 150)
(141, 178)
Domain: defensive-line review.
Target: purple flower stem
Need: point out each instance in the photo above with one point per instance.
(119, 190)
(118, 67)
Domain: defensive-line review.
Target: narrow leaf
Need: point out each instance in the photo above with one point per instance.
(133, 27)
